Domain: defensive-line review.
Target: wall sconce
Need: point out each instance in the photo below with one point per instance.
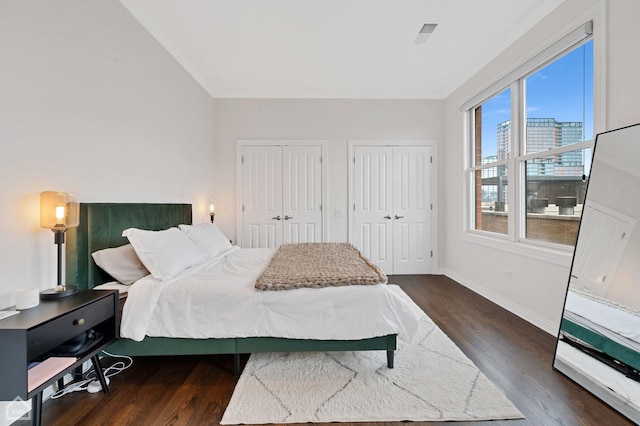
(212, 209)
(58, 212)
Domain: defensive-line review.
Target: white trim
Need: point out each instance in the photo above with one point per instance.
(543, 56)
(599, 17)
(431, 143)
(613, 213)
(489, 165)
(530, 249)
(241, 143)
(540, 154)
(412, 94)
(555, 151)
(505, 303)
(468, 214)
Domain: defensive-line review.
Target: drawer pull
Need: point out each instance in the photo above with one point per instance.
(78, 321)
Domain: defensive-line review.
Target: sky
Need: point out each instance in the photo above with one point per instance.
(562, 90)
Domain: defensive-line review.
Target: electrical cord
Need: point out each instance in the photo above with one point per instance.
(112, 370)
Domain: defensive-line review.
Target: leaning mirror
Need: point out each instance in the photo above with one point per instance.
(599, 339)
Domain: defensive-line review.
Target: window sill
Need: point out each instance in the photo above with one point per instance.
(552, 255)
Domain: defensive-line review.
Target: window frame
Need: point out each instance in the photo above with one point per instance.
(515, 240)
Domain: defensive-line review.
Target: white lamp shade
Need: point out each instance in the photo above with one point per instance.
(58, 210)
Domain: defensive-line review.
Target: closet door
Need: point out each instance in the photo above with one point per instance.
(373, 204)
(392, 209)
(302, 194)
(281, 188)
(411, 209)
(262, 196)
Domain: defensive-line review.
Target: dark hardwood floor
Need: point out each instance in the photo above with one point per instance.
(514, 355)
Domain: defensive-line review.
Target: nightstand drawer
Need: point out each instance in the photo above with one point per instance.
(51, 334)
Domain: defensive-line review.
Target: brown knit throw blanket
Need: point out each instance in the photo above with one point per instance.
(317, 265)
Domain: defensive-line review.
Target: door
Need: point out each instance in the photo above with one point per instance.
(373, 204)
(604, 235)
(302, 194)
(412, 210)
(262, 196)
(281, 195)
(392, 206)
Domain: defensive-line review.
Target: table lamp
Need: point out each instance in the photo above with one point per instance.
(58, 212)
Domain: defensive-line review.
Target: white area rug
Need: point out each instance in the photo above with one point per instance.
(432, 381)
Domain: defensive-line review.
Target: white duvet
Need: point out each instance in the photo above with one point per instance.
(218, 299)
(605, 318)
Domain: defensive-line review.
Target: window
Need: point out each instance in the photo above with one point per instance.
(531, 145)
(492, 152)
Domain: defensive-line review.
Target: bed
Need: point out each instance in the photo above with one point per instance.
(101, 226)
(604, 329)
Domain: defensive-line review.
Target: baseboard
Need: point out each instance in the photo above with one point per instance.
(507, 304)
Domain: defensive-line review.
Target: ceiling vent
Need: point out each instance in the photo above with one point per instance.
(425, 32)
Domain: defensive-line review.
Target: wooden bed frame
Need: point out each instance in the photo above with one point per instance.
(101, 226)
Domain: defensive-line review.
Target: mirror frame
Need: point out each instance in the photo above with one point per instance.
(591, 384)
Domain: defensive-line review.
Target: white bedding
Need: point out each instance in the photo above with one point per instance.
(217, 299)
(113, 285)
(619, 325)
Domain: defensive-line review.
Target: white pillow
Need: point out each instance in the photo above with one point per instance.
(164, 253)
(121, 263)
(208, 237)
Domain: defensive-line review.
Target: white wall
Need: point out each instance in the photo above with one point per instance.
(336, 121)
(90, 103)
(537, 287)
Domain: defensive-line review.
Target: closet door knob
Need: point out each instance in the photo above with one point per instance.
(277, 217)
(387, 217)
(287, 217)
(399, 217)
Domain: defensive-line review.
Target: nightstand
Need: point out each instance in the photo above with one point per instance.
(35, 335)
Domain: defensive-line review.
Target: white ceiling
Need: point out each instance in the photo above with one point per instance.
(335, 48)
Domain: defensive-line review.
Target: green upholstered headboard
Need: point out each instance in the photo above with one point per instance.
(101, 226)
